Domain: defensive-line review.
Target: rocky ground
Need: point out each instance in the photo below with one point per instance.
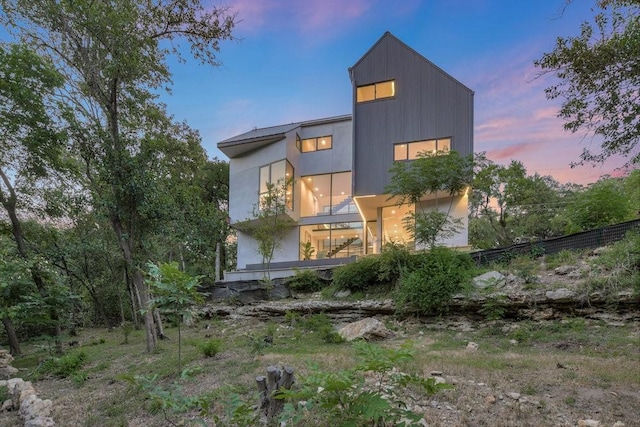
(564, 354)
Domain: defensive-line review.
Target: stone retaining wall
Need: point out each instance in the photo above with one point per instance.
(22, 396)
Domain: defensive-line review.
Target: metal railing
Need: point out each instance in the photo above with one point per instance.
(582, 240)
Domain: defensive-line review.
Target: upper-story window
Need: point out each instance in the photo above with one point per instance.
(314, 144)
(376, 91)
(277, 177)
(410, 150)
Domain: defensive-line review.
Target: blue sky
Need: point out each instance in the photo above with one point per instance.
(290, 62)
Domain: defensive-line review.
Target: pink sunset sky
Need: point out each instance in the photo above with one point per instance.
(290, 61)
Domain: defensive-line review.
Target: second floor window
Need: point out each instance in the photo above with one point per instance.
(410, 150)
(376, 91)
(277, 178)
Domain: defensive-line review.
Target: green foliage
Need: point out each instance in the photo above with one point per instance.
(126, 328)
(357, 276)
(63, 366)
(321, 324)
(307, 250)
(602, 203)
(258, 344)
(597, 75)
(269, 221)
(4, 393)
(619, 266)
(235, 410)
(305, 281)
(507, 204)
(431, 173)
(494, 306)
(170, 400)
(392, 261)
(174, 292)
(439, 274)
(372, 392)
(210, 348)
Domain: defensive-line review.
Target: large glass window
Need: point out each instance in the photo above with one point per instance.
(410, 150)
(316, 144)
(376, 91)
(394, 224)
(331, 240)
(278, 177)
(328, 194)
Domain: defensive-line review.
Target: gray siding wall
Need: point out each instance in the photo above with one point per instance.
(428, 104)
(337, 159)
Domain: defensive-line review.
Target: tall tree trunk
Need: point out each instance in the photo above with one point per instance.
(9, 203)
(142, 293)
(14, 344)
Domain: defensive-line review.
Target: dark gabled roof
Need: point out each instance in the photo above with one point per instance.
(387, 34)
(259, 137)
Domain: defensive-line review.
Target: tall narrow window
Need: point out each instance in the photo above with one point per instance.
(375, 91)
(279, 177)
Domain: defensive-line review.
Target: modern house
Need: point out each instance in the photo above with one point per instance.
(402, 105)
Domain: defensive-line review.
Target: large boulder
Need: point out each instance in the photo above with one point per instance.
(491, 278)
(368, 329)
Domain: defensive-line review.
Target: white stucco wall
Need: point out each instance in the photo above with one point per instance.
(459, 209)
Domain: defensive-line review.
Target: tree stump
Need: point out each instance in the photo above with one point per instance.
(268, 386)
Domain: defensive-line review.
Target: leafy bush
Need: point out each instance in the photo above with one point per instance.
(622, 261)
(64, 366)
(392, 261)
(428, 289)
(306, 281)
(359, 275)
(369, 394)
(321, 324)
(210, 348)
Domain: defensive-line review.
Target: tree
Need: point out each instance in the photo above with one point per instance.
(602, 203)
(269, 222)
(431, 174)
(32, 146)
(114, 58)
(512, 203)
(598, 76)
(174, 292)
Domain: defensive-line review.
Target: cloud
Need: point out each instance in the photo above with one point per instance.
(309, 18)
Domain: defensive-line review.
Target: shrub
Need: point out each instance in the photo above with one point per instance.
(439, 274)
(392, 261)
(321, 324)
(210, 348)
(305, 281)
(64, 366)
(357, 276)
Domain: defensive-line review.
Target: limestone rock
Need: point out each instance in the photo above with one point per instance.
(368, 329)
(588, 423)
(561, 294)
(491, 278)
(7, 372)
(7, 405)
(342, 294)
(563, 270)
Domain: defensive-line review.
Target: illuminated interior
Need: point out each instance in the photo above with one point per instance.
(393, 224)
(328, 194)
(331, 240)
(411, 150)
(277, 174)
(376, 91)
